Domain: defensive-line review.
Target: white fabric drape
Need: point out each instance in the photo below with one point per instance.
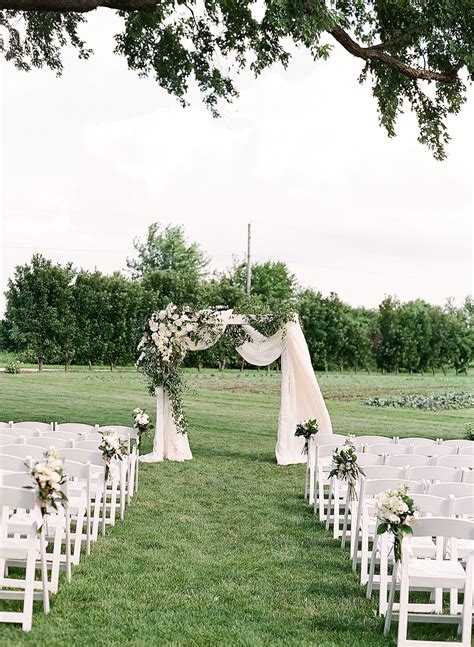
(301, 397)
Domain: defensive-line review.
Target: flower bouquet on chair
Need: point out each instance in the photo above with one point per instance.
(48, 476)
(308, 428)
(346, 467)
(112, 447)
(395, 511)
(141, 422)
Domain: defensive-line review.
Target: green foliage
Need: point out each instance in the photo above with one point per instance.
(13, 367)
(469, 435)
(209, 43)
(435, 402)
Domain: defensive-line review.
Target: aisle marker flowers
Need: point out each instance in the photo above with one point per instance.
(395, 512)
(346, 467)
(111, 447)
(307, 429)
(48, 475)
(141, 422)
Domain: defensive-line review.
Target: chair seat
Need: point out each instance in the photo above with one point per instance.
(11, 548)
(446, 573)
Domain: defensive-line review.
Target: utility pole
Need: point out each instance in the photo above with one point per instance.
(249, 262)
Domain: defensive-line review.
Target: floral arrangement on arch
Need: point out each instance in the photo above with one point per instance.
(167, 337)
(48, 476)
(111, 447)
(395, 512)
(345, 467)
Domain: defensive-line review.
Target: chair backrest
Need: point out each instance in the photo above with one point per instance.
(428, 504)
(4, 425)
(373, 440)
(467, 450)
(82, 456)
(36, 426)
(93, 445)
(13, 463)
(64, 435)
(8, 440)
(458, 490)
(325, 451)
(458, 460)
(417, 441)
(390, 449)
(333, 440)
(17, 497)
(458, 442)
(79, 427)
(364, 459)
(47, 443)
(435, 450)
(19, 431)
(76, 469)
(23, 451)
(17, 479)
(442, 527)
(435, 473)
(467, 476)
(463, 506)
(372, 487)
(402, 460)
(384, 471)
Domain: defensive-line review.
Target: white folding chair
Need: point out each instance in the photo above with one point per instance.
(26, 549)
(338, 494)
(128, 434)
(460, 549)
(319, 492)
(467, 475)
(56, 530)
(422, 547)
(416, 441)
(408, 460)
(9, 440)
(21, 450)
(18, 432)
(64, 435)
(48, 443)
(457, 490)
(369, 440)
(5, 425)
(467, 450)
(391, 449)
(326, 440)
(438, 573)
(13, 464)
(458, 442)
(78, 427)
(365, 526)
(35, 426)
(434, 450)
(98, 485)
(83, 491)
(435, 474)
(458, 460)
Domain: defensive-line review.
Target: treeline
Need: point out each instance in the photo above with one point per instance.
(57, 314)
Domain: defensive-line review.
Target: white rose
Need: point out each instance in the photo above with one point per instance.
(155, 338)
(162, 314)
(153, 325)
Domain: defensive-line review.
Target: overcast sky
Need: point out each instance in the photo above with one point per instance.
(91, 159)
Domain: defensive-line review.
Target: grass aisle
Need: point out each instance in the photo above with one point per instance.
(218, 551)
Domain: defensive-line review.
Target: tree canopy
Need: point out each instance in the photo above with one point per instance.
(405, 46)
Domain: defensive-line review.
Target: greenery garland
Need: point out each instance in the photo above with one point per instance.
(171, 332)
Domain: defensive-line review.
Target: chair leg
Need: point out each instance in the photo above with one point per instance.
(329, 510)
(29, 588)
(44, 572)
(68, 545)
(403, 612)
(391, 598)
(370, 583)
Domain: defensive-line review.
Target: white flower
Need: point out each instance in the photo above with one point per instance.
(153, 325)
(155, 338)
(162, 314)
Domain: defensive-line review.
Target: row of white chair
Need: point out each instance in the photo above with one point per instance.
(93, 503)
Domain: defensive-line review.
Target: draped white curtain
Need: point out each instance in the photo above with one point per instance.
(301, 397)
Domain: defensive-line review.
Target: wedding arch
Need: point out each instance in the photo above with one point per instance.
(172, 332)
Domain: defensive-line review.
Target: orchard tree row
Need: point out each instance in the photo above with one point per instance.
(57, 314)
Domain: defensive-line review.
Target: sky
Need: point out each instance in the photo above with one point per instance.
(90, 159)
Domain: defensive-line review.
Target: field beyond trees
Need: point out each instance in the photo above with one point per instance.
(221, 550)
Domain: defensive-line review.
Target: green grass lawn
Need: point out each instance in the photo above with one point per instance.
(221, 550)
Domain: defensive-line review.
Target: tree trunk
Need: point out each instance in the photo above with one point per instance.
(443, 369)
(66, 360)
(199, 367)
(113, 366)
(89, 363)
(242, 364)
(40, 363)
(433, 369)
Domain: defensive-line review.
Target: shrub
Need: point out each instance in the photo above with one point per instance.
(469, 435)
(13, 367)
(437, 402)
